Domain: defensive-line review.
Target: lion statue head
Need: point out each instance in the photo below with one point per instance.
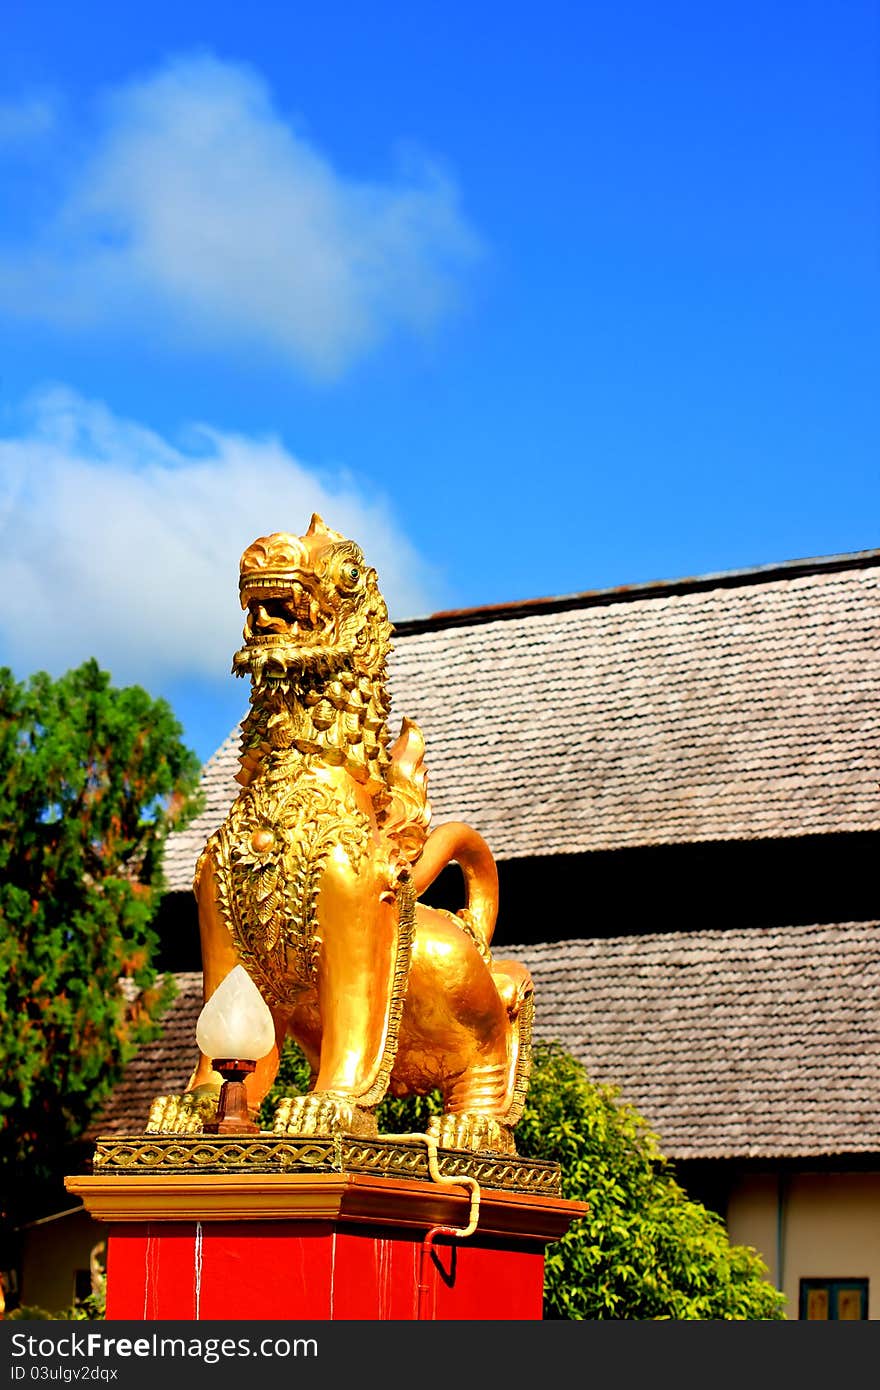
(313, 604)
(316, 639)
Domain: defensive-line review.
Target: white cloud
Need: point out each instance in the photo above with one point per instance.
(203, 213)
(116, 544)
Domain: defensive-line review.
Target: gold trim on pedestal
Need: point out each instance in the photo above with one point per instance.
(283, 1154)
(338, 1197)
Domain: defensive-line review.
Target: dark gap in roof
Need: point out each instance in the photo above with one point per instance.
(177, 925)
(720, 885)
(738, 884)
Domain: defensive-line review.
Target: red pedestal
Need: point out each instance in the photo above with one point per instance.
(344, 1247)
(313, 1270)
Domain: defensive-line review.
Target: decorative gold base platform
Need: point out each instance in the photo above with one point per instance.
(269, 1153)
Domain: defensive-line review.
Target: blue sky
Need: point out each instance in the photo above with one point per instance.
(528, 299)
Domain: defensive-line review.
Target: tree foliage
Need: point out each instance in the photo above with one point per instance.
(92, 778)
(645, 1249)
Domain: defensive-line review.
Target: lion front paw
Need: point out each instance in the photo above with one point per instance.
(323, 1113)
(183, 1114)
(473, 1132)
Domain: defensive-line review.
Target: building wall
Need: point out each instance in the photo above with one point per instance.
(52, 1250)
(816, 1225)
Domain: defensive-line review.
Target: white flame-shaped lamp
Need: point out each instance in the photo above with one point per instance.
(235, 1030)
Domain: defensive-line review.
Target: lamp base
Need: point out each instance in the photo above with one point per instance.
(232, 1115)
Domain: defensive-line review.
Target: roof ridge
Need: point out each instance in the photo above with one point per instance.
(627, 593)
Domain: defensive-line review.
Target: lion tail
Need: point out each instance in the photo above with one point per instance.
(457, 843)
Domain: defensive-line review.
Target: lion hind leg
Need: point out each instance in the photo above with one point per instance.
(486, 1102)
(475, 1112)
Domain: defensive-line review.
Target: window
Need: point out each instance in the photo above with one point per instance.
(835, 1300)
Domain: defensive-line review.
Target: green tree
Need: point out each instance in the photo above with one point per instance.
(92, 779)
(645, 1249)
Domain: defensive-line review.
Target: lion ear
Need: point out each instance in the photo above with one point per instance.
(319, 530)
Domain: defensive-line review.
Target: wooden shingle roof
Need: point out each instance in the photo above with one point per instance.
(761, 1043)
(159, 1068)
(739, 1044)
(738, 706)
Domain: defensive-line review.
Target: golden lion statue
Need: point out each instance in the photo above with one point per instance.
(312, 881)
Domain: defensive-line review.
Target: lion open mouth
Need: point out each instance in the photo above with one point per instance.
(293, 614)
